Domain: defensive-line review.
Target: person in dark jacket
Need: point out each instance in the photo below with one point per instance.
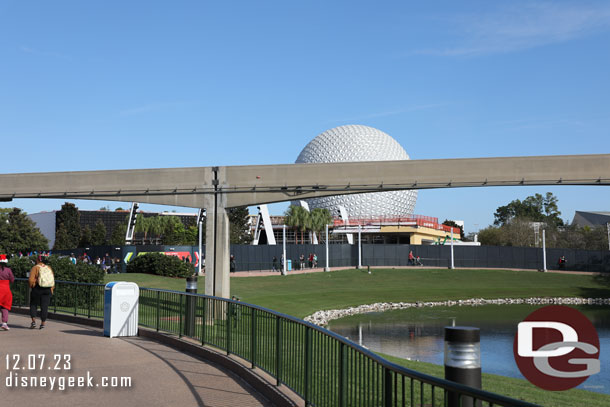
(232, 264)
(274, 264)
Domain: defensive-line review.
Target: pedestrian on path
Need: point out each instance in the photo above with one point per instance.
(274, 264)
(42, 282)
(232, 264)
(6, 296)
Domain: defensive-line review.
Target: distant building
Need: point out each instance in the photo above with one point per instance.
(582, 218)
(415, 229)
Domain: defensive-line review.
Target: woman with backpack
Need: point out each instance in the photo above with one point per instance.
(6, 296)
(42, 282)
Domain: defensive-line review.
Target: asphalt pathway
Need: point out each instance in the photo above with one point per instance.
(160, 375)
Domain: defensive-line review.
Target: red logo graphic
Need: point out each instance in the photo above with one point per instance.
(556, 348)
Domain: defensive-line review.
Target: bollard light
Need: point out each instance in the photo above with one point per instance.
(463, 361)
(190, 305)
(191, 284)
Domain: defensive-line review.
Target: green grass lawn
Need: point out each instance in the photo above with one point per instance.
(303, 294)
(517, 388)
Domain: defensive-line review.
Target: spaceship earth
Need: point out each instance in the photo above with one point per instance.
(359, 143)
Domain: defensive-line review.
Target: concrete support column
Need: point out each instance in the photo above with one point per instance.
(217, 249)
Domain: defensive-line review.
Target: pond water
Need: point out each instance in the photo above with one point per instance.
(418, 334)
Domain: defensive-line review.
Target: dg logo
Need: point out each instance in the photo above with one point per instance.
(556, 348)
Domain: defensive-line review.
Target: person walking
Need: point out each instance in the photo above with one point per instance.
(6, 296)
(232, 264)
(107, 262)
(411, 258)
(274, 264)
(42, 282)
(302, 262)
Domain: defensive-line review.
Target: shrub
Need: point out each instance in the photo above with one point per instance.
(71, 296)
(20, 266)
(161, 265)
(63, 269)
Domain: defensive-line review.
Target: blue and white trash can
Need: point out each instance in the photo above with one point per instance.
(121, 309)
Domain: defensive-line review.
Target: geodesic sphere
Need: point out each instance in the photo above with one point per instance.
(359, 143)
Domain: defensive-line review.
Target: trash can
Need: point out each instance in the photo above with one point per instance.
(121, 309)
(289, 265)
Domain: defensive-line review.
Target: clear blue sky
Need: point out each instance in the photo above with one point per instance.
(94, 85)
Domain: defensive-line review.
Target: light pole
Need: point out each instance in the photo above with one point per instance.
(543, 250)
(200, 217)
(327, 268)
(359, 246)
(284, 249)
(452, 263)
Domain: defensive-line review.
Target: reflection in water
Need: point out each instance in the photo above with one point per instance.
(417, 334)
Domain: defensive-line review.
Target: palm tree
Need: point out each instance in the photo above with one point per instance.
(319, 219)
(298, 218)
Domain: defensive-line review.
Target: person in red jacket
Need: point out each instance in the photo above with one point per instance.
(6, 296)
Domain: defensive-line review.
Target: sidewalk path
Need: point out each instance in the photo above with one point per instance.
(160, 375)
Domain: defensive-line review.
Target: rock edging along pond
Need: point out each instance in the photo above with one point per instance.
(322, 318)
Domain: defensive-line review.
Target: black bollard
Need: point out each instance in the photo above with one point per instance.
(463, 361)
(190, 303)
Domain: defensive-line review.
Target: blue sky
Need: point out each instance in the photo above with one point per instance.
(149, 84)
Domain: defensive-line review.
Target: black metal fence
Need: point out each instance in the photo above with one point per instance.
(253, 258)
(324, 368)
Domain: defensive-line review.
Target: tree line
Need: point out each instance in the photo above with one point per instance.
(154, 229)
(515, 224)
(520, 223)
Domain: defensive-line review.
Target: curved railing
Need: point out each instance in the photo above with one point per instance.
(324, 368)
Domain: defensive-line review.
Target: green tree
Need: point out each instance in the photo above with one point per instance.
(86, 237)
(319, 218)
(536, 208)
(155, 228)
(68, 219)
(117, 237)
(173, 231)
(18, 233)
(239, 227)
(191, 236)
(98, 235)
(142, 225)
(491, 236)
(298, 218)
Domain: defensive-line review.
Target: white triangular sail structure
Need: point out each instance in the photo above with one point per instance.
(312, 235)
(345, 218)
(263, 221)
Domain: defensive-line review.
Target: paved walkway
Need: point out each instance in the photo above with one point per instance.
(160, 375)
